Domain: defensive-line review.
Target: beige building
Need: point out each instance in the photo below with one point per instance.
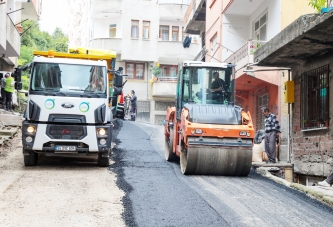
(143, 33)
(12, 13)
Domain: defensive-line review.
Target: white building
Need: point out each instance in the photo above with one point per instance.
(12, 13)
(143, 33)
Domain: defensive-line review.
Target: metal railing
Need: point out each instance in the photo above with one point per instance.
(201, 54)
(167, 78)
(247, 49)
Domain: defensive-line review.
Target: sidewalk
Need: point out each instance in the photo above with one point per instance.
(322, 194)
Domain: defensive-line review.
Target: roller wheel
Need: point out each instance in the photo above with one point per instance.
(209, 160)
(168, 150)
(31, 159)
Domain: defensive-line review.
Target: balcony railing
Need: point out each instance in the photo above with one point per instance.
(165, 89)
(167, 78)
(201, 54)
(246, 50)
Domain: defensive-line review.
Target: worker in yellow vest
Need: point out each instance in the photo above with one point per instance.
(9, 90)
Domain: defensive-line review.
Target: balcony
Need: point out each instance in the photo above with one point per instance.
(174, 51)
(243, 8)
(195, 17)
(244, 55)
(13, 40)
(110, 9)
(108, 43)
(31, 10)
(165, 87)
(172, 10)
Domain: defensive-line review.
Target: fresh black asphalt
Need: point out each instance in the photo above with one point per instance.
(157, 194)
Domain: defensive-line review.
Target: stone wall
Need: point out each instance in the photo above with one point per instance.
(312, 151)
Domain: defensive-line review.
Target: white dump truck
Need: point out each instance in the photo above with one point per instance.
(69, 110)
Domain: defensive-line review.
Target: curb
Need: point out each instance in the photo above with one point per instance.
(309, 190)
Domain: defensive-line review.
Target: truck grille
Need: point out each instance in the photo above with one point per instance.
(68, 132)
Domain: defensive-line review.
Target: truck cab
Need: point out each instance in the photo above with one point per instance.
(68, 112)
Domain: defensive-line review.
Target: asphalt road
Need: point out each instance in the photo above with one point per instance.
(157, 194)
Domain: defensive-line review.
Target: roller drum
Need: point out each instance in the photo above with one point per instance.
(210, 160)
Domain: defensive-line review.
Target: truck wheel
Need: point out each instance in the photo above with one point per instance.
(31, 159)
(103, 161)
(168, 150)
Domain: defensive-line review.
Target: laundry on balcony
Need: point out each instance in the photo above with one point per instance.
(187, 41)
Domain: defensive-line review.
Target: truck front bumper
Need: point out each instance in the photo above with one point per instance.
(57, 138)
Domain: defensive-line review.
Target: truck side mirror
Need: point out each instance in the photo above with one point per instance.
(18, 75)
(118, 81)
(18, 86)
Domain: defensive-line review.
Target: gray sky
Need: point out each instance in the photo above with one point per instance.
(54, 14)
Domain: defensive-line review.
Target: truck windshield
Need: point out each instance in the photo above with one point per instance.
(207, 85)
(68, 78)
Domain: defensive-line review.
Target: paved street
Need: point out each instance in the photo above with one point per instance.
(141, 189)
(157, 194)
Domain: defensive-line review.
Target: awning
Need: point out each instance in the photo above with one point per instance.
(306, 38)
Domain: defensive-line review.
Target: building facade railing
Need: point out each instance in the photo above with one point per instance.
(247, 49)
(167, 78)
(201, 54)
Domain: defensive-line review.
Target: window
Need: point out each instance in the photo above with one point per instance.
(260, 28)
(213, 44)
(135, 70)
(262, 101)
(175, 33)
(112, 30)
(135, 29)
(315, 98)
(146, 29)
(62, 78)
(169, 72)
(164, 32)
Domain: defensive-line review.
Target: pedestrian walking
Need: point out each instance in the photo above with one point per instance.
(9, 90)
(3, 93)
(133, 105)
(328, 181)
(272, 130)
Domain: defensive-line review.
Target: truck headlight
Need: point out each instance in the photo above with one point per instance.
(31, 129)
(101, 132)
(242, 133)
(196, 131)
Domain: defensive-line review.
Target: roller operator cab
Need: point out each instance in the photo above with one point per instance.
(205, 130)
(67, 110)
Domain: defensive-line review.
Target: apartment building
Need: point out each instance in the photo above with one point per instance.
(143, 33)
(12, 13)
(233, 31)
(306, 48)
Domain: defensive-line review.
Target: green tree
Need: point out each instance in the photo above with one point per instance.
(35, 39)
(317, 4)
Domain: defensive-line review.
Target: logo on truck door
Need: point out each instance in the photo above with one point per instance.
(67, 105)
